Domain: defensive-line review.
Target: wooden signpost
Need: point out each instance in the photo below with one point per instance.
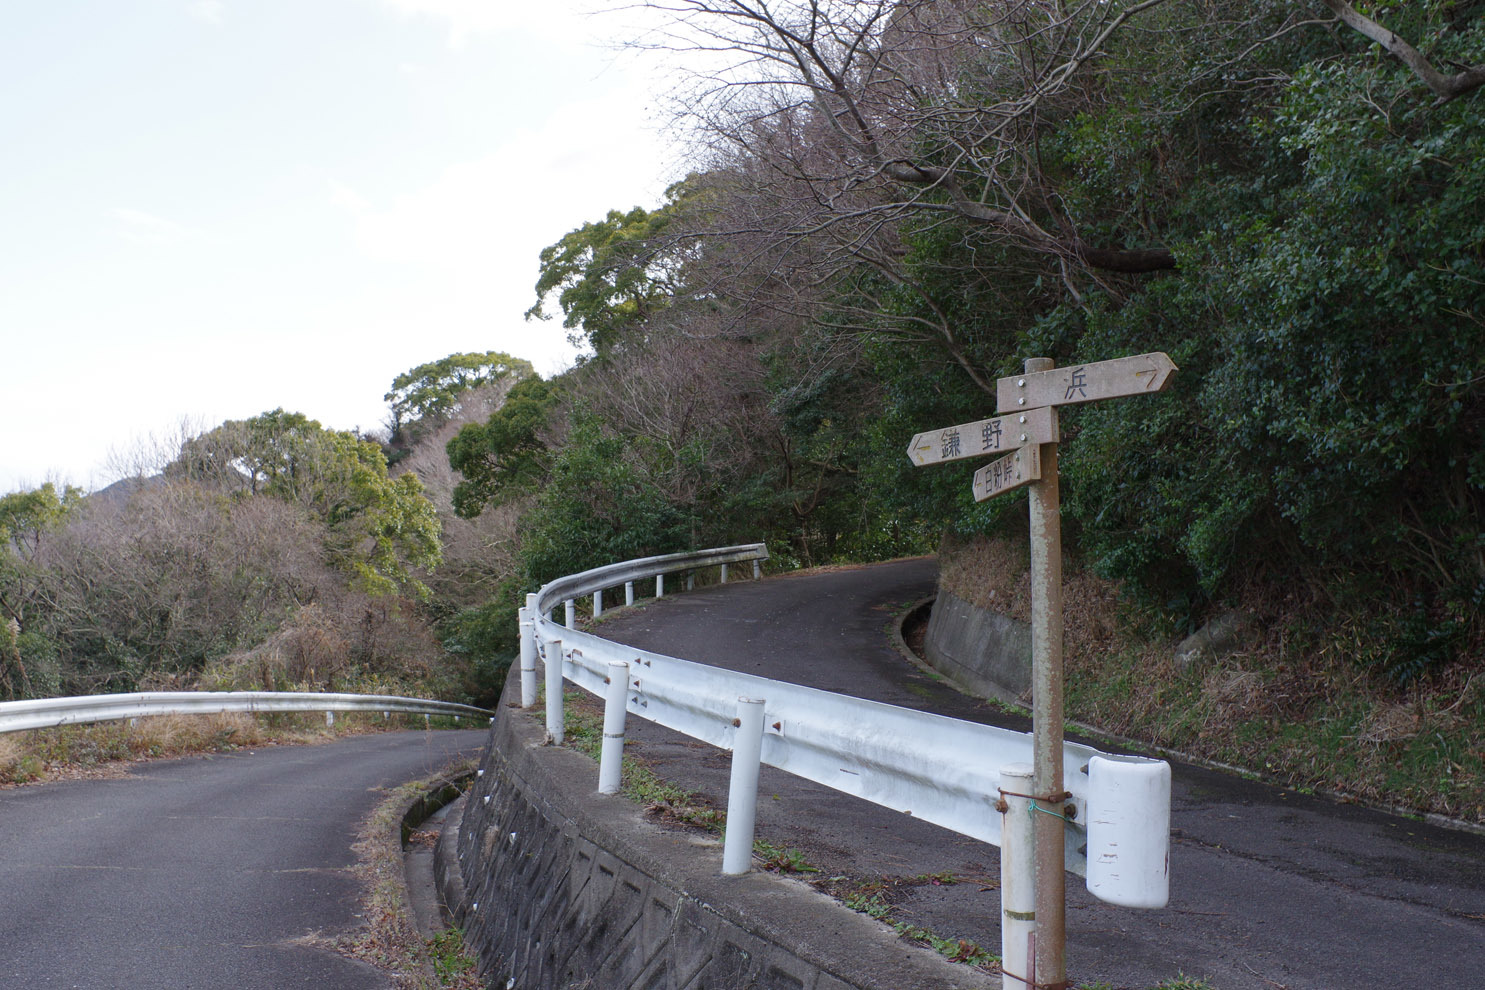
(1030, 436)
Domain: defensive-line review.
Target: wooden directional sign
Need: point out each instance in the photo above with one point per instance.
(1084, 382)
(985, 436)
(1019, 467)
(1031, 399)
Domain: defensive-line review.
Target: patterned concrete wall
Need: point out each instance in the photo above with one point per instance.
(985, 652)
(559, 888)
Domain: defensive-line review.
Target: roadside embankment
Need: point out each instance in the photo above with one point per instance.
(563, 888)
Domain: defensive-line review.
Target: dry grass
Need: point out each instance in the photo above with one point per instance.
(106, 748)
(389, 939)
(1296, 704)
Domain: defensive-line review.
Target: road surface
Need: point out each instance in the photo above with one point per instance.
(205, 872)
(1269, 888)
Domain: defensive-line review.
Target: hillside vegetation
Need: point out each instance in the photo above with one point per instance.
(892, 204)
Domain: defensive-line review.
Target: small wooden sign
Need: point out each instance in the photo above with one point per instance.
(1076, 383)
(1019, 467)
(985, 436)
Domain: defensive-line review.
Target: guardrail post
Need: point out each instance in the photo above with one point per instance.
(611, 758)
(628, 592)
(742, 792)
(556, 726)
(757, 571)
(724, 573)
(659, 585)
(571, 622)
(528, 658)
(690, 580)
(597, 603)
(1017, 879)
(329, 720)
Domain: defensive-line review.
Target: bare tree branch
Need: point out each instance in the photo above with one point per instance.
(1445, 87)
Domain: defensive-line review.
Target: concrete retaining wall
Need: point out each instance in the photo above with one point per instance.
(984, 652)
(561, 888)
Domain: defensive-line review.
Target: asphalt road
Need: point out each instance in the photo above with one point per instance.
(205, 872)
(1269, 888)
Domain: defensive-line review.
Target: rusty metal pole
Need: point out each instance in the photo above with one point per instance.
(1046, 712)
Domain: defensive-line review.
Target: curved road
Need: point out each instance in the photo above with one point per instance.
(1269, 889)
(205, 872)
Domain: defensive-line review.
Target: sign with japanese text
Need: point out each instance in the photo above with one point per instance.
(1019, 467)
(1076, 383)
(985, 436)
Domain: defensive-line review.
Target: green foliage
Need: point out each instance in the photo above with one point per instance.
(25, 516)
(782, 859)
(598, 507)
(429, 394)
(488, 637)
(380, 530)
(505, 457)
(1329, 413)
(614, 275)
(452, 961)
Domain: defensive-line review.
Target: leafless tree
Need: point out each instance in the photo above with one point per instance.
(879, 109)
(478, 553)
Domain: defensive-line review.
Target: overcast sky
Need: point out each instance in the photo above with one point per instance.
(213, 208)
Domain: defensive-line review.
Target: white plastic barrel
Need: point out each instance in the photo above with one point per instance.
(1129, 830)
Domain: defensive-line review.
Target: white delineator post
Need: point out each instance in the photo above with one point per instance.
(528, 654)
(611, 757)
(556, 719)
(1017, 878)
(1046, 710)
(742, 791)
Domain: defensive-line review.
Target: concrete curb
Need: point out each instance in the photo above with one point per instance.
(426, 905)
(447, 877)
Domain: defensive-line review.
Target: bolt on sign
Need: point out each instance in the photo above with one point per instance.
(1027, 440)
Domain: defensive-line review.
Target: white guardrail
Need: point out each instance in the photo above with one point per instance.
(941, 769)
(18, 716)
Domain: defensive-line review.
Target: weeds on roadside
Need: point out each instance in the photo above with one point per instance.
(390, 940)
(452, 963)
(781, 859)
(584, 732)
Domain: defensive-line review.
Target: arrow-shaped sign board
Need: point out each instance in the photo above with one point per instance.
(985, 436)
(1084, 382)
(1019, 467)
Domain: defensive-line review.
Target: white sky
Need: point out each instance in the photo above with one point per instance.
(211, 209)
